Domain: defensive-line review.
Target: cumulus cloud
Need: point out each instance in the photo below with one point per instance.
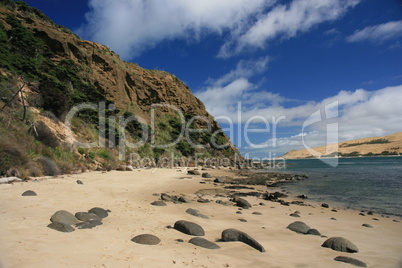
(378, 33)
(286, 21)
(132, 26)
(359, 113)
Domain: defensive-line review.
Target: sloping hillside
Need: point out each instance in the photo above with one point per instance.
(387, 145)
(46, 70)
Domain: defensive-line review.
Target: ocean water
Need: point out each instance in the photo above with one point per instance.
(370, 183)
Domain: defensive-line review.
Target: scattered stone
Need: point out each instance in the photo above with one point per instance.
(225, 203)
(156, 194)
(61, 227)
(202, 200)
(243, 203)
(239, 187)
(206, 175)
(340, 244)
(274, 196)
(158, 204)
(257, 213)
(370, 213)
(201, 242)
(229, 235)
(302, 196)
(375, 219)
(100, 212)
(242, 220)
(333, 219)
(334, 210)
(396, 221)
(146, 239)
(313, 232)
(184, 199)
(299, 227)
(296, 212)
(196, 213)
(325, 205)
(193, 172)
(80, 182)
(179, 240)
(362, 214)
(350, 260)
(168, 198)
(239, 212)
(189, 228)
(85, 216)
(64, 217)
(88, 224)
(367, 225)
(202, 182)
(283, 203)
(262, 204)
(219, 180)
(294, 215)
(29, 193)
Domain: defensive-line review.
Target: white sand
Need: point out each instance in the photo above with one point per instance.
(25, 241)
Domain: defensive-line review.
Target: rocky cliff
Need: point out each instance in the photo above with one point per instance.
(376, 146)
(46, 70)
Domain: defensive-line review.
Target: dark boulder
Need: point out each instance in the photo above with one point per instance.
(229, 235)
(85, 216)
(201, 242)
(65, 217)
(294, 215)
(350, 260)
(61, 227)
(219, 180)
(206, 175)
(193, 172)
(243, 203)
(325, 205)
(313, 232)
(158, 204)
(146, 239)
(299, 227)
(100, 212)
(80, 182)
(29, 193)
(189, 228)
(340, 244)
(184, 199)
(196, 213)
(367, 225)
(88, 224)
(302, 196)
(168, 198)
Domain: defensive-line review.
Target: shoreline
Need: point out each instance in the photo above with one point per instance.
(27, 242)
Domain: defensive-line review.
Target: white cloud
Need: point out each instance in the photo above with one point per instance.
(286, 22)
(131, 26)
(378, 33)
(359, 113)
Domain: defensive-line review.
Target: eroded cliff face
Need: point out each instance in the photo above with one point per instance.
(125, 84)
(62, 71)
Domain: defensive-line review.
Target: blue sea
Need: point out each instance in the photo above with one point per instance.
(369, 183)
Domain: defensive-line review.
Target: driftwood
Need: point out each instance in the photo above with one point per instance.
(9, 179)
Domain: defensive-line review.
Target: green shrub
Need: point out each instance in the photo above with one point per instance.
(81, 150)
(45, 135)
(48, 166)
(12, 155)
(105, 154)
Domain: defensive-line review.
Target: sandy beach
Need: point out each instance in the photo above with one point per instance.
(26, 241)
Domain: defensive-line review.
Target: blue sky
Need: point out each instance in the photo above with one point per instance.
(283, 60)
